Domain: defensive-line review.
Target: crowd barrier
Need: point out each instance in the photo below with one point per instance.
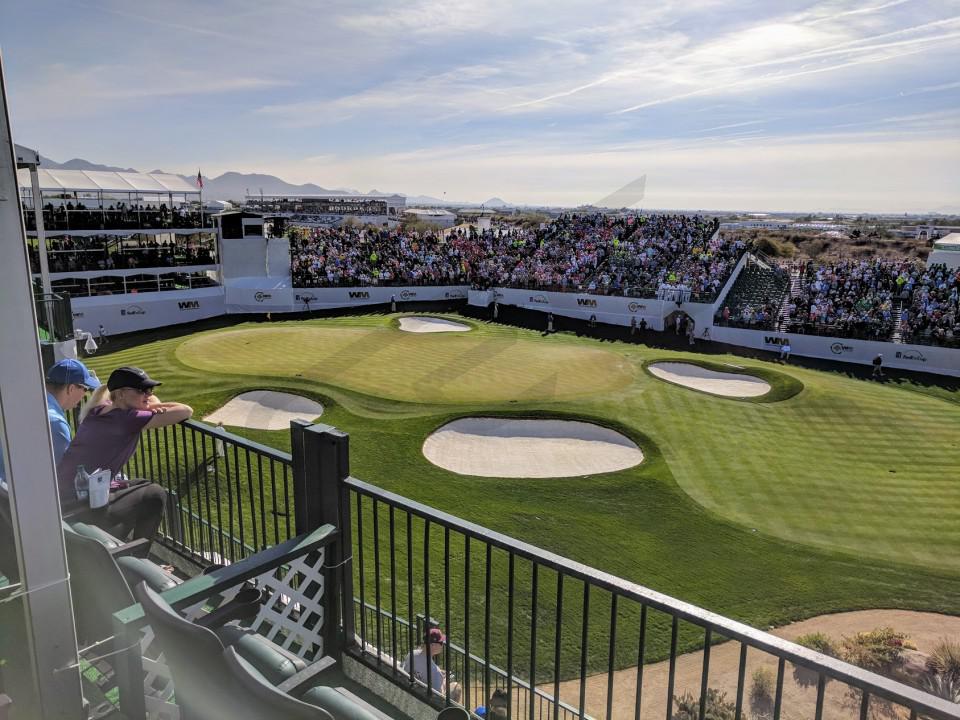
(130, 313)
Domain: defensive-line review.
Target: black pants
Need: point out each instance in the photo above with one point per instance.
(138, 509)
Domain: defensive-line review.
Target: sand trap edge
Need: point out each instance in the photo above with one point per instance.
(252, 409)
(449, 448)
(771, 394)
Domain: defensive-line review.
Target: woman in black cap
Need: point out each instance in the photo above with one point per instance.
(108, 434)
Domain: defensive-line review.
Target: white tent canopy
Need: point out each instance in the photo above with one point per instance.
(102, 181)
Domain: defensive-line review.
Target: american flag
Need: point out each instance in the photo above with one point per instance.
(199, 180)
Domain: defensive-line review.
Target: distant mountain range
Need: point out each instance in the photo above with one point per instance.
(235, 186)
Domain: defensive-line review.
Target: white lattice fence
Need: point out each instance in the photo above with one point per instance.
(292, 617)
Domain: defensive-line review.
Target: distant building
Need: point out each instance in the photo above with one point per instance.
(434, 216)
(946, 251)
(329, 210)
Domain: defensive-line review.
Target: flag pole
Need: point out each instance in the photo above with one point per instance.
(200, 182)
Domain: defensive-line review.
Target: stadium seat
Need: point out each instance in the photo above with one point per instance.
(237, 682)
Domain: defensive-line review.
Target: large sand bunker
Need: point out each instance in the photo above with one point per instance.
(266, 410)
(496, 447)
(431, 325)
(693, 376)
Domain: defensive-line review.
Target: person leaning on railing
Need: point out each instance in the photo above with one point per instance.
(110, 427)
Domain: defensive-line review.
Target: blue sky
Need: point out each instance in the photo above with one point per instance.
(829, 105)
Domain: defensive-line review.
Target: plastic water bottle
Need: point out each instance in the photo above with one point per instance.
(81, 483)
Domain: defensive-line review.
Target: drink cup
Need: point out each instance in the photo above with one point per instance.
(99, 489)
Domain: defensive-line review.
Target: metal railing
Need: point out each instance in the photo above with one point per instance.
(565, 628)
(228, 497)
(563, 639)
(494, 677)
(54, 317)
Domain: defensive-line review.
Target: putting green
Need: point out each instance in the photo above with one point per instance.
(426, 368)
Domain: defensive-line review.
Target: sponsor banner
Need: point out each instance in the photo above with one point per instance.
(613, 310)
(926, 358)
(246, 297)
(142, 311)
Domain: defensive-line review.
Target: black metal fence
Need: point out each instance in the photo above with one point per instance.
(562, 639)
(228, 497)
(54, 317)
(602, 646)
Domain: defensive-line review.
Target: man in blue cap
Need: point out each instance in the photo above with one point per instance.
(68, 381)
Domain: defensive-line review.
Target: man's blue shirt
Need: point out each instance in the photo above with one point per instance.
(59, 428)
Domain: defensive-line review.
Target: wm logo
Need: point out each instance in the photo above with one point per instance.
(359, 294)
(189, 304)
(589, 302)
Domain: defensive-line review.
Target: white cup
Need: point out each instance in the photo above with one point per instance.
(99, 488)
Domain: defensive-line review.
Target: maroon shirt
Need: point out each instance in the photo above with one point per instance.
(103, 440)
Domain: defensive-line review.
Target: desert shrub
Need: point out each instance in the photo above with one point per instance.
(776, 248)
(818, 641)
(687, 706)
(944, 686)
(945, 659)
(761, 687)
(880, 649)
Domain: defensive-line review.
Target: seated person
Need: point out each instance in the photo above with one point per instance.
(106, 439)
(496, 707)
(67, 383)
(421, 661)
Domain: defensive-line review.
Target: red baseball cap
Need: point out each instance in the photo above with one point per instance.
(435, 635)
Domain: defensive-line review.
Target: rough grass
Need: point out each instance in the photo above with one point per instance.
(840, 496)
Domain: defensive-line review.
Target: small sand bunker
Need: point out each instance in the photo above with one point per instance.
(266, 410)
(495, 447)
(718, 383)
(431, 325)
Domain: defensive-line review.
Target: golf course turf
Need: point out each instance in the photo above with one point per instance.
(829, 494)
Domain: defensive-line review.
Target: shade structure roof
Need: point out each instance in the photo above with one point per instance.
(104, 181)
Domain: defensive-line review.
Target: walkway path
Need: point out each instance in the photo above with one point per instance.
(924, 630)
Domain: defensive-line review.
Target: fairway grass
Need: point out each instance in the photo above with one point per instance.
(841, 495)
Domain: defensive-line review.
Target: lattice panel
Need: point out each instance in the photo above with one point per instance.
(293, 616)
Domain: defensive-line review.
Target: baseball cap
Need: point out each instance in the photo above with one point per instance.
(435, 635)
(130, 377)
(72, 372)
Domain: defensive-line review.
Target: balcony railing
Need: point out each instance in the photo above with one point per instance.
(563, 639)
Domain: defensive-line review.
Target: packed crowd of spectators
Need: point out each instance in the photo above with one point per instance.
(852, 298)
(70, 216)
(72, 254)
(328, 257)
(933, 316)
(592, 253)
(849, 298)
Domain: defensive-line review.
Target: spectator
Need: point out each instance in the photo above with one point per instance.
(68, 381)
(420, 665)
(106, 439)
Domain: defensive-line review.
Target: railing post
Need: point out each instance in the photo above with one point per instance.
(321, 461)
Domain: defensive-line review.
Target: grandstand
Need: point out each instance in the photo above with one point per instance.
(757, 297)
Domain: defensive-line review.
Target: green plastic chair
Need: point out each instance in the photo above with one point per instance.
(211, 681)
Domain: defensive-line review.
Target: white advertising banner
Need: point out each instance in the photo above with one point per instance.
(320, 298)
(141, 311)
(923, 358)
(253, 295)
(612, 310)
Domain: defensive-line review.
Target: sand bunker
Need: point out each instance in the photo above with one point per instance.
(431, 325)
(718, 383)
(495, 447)
(266, 410)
